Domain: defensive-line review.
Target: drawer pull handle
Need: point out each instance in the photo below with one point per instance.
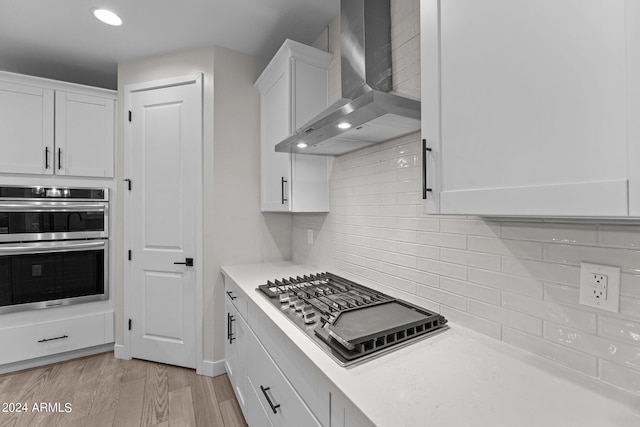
(53, 339)
(231, 295)
(274, 408)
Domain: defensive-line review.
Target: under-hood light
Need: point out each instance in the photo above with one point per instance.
(107, 17)
(301, 145)
(344, 125)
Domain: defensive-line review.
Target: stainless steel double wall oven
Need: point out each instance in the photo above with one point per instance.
(54, 246)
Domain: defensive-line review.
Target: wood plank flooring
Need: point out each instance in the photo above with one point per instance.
(102, 391)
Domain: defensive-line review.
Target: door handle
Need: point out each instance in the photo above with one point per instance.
(187, 261)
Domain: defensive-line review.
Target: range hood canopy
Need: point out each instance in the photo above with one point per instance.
(369, 111)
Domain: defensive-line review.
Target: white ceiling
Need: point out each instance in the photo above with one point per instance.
(61, 39)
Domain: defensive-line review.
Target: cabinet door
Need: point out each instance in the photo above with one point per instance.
(26, 129)
(84, 135)
(526, 106)
(240, 387)
(230, 346)
(275, 124)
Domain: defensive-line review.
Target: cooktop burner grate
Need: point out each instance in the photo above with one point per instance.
(353, 321)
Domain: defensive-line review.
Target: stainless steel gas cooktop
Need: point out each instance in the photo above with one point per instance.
(350, 322)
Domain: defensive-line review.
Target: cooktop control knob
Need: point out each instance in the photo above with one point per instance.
(284, 298)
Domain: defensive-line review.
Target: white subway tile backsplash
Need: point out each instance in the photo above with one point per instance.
(470, 321)
(620, 376)
(575, 360)
(471, 259)
(626, 259)
(619, 236)
(630, 285)
(514, 248)
(419, 224)
(514, 284)
(419, 276)
(471, 290)
(561, 294)
(512, 280)
(473, 227)
(550, 311)
(544, 232)
(546, 271)
(512, 319)
(442, 268)
(620, 329)
(443, 240)
(442, 297)
(603, 348)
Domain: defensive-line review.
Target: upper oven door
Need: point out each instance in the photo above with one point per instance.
(47, 220)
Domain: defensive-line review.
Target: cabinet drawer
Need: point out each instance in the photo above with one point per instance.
(237, 297)
(43, 339)
(282, 405)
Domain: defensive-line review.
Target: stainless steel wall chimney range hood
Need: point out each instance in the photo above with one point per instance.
(369, 111)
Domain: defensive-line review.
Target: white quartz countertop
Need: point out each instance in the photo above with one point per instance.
(454, 378)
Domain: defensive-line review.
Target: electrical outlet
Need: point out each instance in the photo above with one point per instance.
(600, 286)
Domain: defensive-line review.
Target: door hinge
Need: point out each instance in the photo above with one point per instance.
(130, 322)
(128, 181)
(129, 254)
(130, 115)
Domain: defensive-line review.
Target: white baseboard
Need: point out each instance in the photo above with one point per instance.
(212, 369)
(55, 358)
(121, 352)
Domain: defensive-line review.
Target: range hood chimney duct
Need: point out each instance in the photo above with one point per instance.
(369, 107)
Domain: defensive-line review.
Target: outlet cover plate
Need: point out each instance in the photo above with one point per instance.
(612, 301)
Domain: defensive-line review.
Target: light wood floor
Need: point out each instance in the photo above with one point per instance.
(105, 391)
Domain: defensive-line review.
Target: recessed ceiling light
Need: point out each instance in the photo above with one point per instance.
(301, 145)
(344, 125)
(107, 17)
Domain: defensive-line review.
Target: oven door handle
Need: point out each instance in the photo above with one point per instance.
(52, 207)
(45, 247)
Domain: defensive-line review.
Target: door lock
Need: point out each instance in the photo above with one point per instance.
(187, 261)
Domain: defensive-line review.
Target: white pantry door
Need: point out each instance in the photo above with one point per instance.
(166, 151)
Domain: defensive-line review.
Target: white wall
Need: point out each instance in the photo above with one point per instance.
(234, 229)
(514, 281)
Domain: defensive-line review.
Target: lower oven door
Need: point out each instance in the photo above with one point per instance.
(52, 274)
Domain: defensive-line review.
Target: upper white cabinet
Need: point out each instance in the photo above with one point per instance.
(531, 108)
(84, 135)
(55, 128)
(293, 89)
(26, 128)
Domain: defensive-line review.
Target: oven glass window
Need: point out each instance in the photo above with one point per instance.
(50, 276)
(50, 222)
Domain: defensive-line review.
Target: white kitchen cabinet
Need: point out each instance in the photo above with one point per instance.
(531, 108)
(235, 352)
(55, 128)
(279, 402)
(26, 128)
(41, 339)
(293, 89)
(84, 135)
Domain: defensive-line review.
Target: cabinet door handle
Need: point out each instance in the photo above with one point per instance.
(282, 182)
(46, 157)
(53, 339)
(230, 334)
(274, 408)
(231, 295)
(59, 158)
(425, 189)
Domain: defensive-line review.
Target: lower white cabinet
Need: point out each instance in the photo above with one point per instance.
(278, 400)
(47, 338)
(235, 350)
